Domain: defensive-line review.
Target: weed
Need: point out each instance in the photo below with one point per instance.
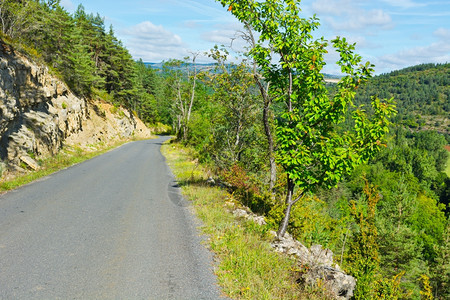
(114, 109)
(31, 154)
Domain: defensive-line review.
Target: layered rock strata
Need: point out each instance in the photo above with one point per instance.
(38, 113)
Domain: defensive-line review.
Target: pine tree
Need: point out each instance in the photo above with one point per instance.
(363, 259)
(441, 271)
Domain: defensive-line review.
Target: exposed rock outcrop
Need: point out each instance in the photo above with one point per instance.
(320, 266)
(38, 113)
(318, 262)
(241, 213)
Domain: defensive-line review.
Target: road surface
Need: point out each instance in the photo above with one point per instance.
(113, 227)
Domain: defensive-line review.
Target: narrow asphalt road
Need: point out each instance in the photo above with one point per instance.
(114, 227)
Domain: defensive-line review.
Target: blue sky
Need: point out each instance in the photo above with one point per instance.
(392, 34)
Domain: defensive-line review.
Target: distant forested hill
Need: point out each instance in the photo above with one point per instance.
(422, 94)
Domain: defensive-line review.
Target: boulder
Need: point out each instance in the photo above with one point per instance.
(320, 266)
(30, 162)
(241, 213)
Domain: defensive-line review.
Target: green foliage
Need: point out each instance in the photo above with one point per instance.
(18, 17)
(429, 219)
(442, 267)
(114, 109)
(2, 167)
(362, 259)
(410, 221)
(181, 79)
(427, 293)
(160, 128)
(247, 267)
(235, 130)
(447, 169)
(311, 223)
(389, 288)
(422, 91)
(76, 46)
(311, 150)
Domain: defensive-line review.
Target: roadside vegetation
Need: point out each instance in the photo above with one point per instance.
(246, 266)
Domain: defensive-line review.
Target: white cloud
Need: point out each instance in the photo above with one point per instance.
(154, 43)
(363, 19)
(348, 15)
(68, 5)
(362, 42)
(442, 33)
(437, 52)
(330, 7)
(227, 35)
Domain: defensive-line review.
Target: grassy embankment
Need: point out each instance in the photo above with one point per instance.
(247, 267)
(67, 157)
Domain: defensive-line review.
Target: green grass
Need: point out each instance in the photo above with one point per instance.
(67, 157)
(247, 267)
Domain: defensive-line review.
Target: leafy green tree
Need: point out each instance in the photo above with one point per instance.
(112, 72)
(310, 148)
(236, 117)
(429, 220)
(182, 81)
(433, 143)
(267, 116)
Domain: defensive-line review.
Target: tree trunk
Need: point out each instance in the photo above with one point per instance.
(269, 136)
(185, 132)
(287, 212)
(188, 116)
(290, 202)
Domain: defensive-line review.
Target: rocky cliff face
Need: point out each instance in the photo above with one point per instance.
(38, 113)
